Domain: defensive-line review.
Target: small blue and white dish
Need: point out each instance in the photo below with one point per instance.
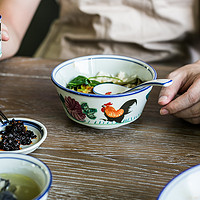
(26, 166)
(38, 129)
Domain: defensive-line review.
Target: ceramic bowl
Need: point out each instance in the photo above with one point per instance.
(183, 187)
(39, 130)
(89, 109)
(28, 166)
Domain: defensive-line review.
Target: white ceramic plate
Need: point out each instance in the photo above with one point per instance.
(184, 186)
(39, 130)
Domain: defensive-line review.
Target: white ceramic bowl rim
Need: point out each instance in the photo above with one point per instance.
(177, 179)
(26, 158)
(39, 126)
(117, 57)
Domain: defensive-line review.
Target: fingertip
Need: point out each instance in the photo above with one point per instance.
(164, 111)
(5, 36)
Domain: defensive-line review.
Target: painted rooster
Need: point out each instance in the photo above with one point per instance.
(117, 115)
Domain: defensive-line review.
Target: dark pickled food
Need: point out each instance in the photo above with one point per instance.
(14, 135)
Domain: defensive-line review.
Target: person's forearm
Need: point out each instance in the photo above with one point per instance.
(16, 15)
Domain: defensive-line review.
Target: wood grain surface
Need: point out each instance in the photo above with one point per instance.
(132, 162)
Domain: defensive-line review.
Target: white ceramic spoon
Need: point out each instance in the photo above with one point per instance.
(111, 88)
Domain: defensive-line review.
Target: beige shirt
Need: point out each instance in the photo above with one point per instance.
(150, 30)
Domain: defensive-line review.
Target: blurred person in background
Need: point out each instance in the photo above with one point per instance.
(150, 30)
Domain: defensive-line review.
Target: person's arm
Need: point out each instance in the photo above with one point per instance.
(186, 83)
(16, 17)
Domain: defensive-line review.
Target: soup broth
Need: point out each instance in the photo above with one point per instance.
(26, 188)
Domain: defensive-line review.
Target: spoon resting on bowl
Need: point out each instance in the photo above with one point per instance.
(111, 88)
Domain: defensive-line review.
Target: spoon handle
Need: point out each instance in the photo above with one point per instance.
(157, 82)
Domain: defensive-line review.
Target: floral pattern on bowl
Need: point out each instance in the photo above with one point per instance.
(76, 110)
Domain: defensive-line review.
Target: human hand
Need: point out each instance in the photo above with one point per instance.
(186, 86)
(4, 32)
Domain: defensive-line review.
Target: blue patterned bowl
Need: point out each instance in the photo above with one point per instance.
(102, 111)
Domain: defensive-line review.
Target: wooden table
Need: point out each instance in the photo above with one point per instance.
(132, 162)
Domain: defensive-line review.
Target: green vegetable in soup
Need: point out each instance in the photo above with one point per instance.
(81, 80)
(82, 84)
